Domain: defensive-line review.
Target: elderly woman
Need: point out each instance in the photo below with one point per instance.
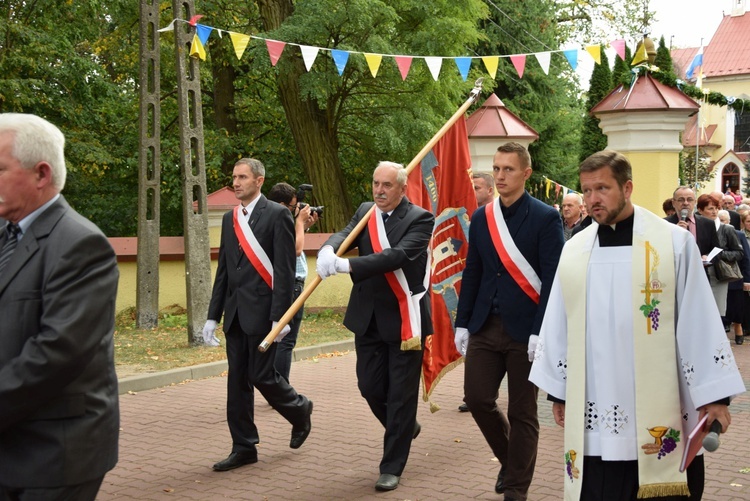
(708, 207)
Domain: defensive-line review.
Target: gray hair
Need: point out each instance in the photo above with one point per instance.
(486, 176)
(400, 171)
(36, 140)
(256, 167)
(723, 216)
(578, 197)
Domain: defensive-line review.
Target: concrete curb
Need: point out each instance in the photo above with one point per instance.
(153, 380)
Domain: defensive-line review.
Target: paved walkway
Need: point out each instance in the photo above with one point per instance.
(171, 436)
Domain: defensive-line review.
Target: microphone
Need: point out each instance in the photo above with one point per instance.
(683, 215)
(711, 440)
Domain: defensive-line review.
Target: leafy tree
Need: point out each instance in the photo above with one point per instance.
(688, 170)
(592, 137)
(548, 103)
(589, 21)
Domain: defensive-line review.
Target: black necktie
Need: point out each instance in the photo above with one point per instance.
(385, 216)
(12, 231)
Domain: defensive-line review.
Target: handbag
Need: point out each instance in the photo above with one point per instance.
(727, 272)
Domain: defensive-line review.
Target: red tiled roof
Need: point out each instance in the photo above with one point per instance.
(681, 59)
(706, 134)
(729, 50)
(647, 94)
(493, 119)
(222, 199)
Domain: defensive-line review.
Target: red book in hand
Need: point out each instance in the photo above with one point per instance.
(694, 443)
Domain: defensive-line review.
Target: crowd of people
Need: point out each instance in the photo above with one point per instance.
(553, 301)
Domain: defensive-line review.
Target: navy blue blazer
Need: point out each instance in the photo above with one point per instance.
(537, 231)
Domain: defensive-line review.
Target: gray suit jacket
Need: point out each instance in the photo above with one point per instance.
(59, 415)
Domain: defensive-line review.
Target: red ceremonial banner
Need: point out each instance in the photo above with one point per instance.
(443, 186)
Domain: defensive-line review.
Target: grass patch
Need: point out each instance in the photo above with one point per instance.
(166, 347)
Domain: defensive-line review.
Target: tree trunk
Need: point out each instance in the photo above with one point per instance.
(313, 133)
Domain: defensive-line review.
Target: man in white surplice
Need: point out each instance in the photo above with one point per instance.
(628, 381)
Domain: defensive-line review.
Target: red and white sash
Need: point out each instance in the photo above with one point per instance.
(408, 304)
(517, 265)
(250, 245)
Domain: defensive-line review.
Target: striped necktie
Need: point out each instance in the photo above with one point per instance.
(12, 231)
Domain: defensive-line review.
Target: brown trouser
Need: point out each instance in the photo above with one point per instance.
(490, 355)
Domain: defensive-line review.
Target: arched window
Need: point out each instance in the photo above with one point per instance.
(730, 178)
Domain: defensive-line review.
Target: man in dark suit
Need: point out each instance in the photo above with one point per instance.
(702, 229)
(389, 279)
(59, 414)
(253, 288)
(728, 203)
(500, 311)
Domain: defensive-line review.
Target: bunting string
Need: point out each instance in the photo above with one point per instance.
(341, 57)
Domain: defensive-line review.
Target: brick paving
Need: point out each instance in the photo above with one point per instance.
(171, 436)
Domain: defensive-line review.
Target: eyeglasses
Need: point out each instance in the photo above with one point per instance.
(683, 200)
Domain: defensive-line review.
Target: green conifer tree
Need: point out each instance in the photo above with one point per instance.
(592, 137)
(621, 71)
(664, 59)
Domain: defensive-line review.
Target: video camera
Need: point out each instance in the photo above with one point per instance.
(303, 190)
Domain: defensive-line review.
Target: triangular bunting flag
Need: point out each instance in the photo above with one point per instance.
(544, 59)
(340, 58)
(308, 55)
(239, 41)
(572, 56)
(196, 48)
(596, 52)
(373, 61)
(640, 55)
(274, 50)
(404, 63)
(619, 46)
(490, 62)
(547, 184)
(463, 63)
(434, 64)
(169, 27)
(194, 20)
(203, 33)
(519, 63)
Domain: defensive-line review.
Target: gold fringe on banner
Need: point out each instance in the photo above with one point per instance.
(663, 490)
(426, 396)
(411, 344)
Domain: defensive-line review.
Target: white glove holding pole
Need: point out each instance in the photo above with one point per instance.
(283, 332)
(326, 265)
(462, 340)
(209, 333)
(342, 265)
(533, 342)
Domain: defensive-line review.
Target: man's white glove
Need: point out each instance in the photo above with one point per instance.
(209, 333)
(283, 332)
(326, 262)
(342, 265)
(533, 342)
(461, 340)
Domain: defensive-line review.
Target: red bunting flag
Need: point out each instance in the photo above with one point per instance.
(274, 50)
(519, 63)
(443, 186)
(404, 63)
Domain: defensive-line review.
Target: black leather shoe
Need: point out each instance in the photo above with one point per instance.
(299, 434)
(235, 460)
(500, 484)
(739, 339)
(417, 430)
(463, 408)
(387, 482)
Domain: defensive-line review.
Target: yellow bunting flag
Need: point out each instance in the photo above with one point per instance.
(640, 55)
(373, 61)
(239, 41)
(596, 52)
(196, 48)
(490, 62)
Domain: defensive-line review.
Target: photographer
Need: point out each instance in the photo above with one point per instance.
(304, 218)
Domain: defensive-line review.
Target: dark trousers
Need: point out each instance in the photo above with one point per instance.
(388, 379)
(285, 347)
(618, 480)
(490, 355)
(80, 492)
(250, 368)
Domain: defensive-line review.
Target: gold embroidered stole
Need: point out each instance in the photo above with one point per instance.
(657, 400)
